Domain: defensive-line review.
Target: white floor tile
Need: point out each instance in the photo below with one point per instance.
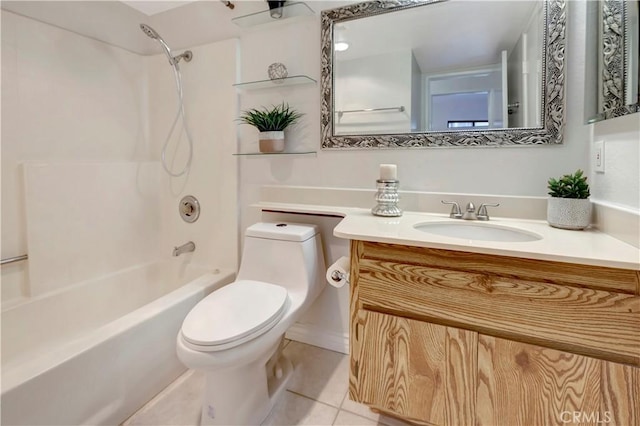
(319, 374)
(179, 404)
(364, 411)
(346, 418)
(294, 409)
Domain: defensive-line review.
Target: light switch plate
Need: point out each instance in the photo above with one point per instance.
(598, 156)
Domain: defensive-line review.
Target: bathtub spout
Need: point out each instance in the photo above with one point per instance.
(185, 248)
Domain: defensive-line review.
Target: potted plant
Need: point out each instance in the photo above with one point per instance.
(569, 206)
(271, 124)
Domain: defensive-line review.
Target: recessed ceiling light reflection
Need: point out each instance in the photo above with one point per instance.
(341, 46)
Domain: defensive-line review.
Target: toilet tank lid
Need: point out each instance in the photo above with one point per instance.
(282, 231)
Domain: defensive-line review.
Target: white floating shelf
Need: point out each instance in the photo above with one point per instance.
(289, 10)
(273, 84)
(267, 154)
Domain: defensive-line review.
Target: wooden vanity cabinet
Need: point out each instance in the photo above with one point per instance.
(441, 337)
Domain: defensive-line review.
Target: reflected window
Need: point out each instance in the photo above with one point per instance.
(467, 124)
(459, 110)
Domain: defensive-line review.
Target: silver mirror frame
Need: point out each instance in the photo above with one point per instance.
(553, 99)
(613, 62)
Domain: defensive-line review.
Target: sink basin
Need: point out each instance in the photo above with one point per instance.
(477, 231)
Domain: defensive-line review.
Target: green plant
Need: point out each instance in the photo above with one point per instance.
(277, 118)
(569, 186)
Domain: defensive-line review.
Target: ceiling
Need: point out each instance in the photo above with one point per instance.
(475, 32)
(181, 24)
(150, 8)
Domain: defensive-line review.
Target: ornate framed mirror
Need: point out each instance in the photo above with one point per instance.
(431, 73)
(613, 59)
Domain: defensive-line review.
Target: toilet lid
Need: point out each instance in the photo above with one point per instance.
(235, 313)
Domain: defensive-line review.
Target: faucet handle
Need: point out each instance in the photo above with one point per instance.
(455, 209)
(482, 210)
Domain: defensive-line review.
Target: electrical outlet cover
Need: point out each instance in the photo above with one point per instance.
(598, 156)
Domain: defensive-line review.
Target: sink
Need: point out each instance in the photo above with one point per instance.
(477, 231)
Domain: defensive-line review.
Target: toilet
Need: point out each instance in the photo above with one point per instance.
(235, 334)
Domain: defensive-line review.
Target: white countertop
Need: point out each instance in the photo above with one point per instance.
(589, 247)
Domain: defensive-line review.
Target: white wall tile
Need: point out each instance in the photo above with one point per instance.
(88, 219)
(210, 105)
(64, 97)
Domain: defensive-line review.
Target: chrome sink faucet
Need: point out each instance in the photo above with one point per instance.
(470, 211)
(185, 248)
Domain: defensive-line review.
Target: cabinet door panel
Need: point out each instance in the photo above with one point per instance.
(620, 394)
(522, 384)
(417, 370)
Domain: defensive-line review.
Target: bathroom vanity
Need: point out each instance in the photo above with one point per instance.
(487, 330)
(543, 330)
(448, 337)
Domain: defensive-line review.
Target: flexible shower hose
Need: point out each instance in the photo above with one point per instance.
(179, 114)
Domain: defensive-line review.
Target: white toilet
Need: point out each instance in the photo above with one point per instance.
(235, 333)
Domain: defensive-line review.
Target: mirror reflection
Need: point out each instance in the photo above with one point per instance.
(417, 70)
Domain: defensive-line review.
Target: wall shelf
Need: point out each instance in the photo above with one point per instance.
(289, 10)
(272, 154)
(272, 84)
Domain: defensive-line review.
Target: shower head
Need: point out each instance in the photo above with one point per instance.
(173, 60)
(150, 32)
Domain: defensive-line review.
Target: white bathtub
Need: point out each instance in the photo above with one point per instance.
(96, 352)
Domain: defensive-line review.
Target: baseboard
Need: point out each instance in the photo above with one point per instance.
(316, 336)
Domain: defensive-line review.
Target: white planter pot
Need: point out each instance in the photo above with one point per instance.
(271, 141)
(568, 213)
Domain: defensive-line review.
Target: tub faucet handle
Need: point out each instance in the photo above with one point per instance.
(455, 209)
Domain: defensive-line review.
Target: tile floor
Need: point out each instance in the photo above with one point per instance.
(317, 395)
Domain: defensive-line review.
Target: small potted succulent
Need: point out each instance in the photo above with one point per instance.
(271, 123)
(569, 206)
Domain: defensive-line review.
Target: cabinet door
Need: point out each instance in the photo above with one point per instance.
(418, 371)
(523, 384)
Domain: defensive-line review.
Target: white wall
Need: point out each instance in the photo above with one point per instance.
(417, 95)
(619, 185)
(380, 81)
(525, 73)
(505, 171)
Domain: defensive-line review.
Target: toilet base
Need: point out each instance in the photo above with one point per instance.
(246, 394)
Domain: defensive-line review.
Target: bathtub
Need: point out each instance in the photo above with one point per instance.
(95, 352)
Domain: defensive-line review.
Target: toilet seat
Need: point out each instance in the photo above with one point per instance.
(234, 314)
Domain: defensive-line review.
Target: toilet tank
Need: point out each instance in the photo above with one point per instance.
(285, 254)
